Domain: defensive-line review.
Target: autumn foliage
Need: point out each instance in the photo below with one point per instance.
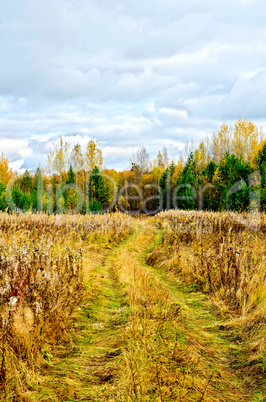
(76, 180)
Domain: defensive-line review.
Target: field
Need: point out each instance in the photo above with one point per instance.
(120, 308)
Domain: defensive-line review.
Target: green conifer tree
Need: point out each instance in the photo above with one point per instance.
(98, 191)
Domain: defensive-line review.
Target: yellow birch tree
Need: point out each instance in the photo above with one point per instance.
(6, 173)
(58, 157)
(221, 143)
(93, 156)
(247, 140)
(77, 158)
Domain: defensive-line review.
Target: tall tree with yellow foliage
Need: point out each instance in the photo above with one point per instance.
(159, 161)
(93, 156)
(247, 140)
(201, 156)
(221, 143)
(243, 139)
(6, 173)
(77, 158)
(58, 157)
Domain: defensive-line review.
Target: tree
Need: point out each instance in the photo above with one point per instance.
(77, 158)
(58, 158)
(26, 182)
(159, 161)
(22, 200)
(246, 140)
(200, 156)
(260, 163)
(111, 180)
(189, 149)
(165, 158)
(126, 180)
(6, 173)
(70, 195)
(230, 172)
(93, 156)
(70, 199)
(140, 161)
(98, 190)
(221, 143)
(187, 185)
(71, 176)
(165, 187)
(3, 203)
(209, 171)
(176, 171)
(243, 139)
(37, 193)
(261, 156)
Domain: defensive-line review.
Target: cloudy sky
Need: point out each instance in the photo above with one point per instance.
(127, 73)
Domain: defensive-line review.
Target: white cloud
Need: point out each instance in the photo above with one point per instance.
(16, 148)
(16, 166)
(174, 113)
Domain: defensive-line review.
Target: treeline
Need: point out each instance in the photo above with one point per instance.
(226, 171)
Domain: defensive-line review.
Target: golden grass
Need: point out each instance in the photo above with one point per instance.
(42, 283)
(164, 350)
(115, 308)
(225, 259)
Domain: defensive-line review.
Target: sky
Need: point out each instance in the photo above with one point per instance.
(127, 73)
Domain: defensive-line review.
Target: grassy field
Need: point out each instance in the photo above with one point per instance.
(119, 308)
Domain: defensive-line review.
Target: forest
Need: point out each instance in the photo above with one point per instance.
(226, 171)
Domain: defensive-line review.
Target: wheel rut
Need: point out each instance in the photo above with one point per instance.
(142, 335)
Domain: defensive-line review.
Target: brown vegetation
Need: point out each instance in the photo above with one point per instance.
(114, 308)
(41, 285)
(219, 255)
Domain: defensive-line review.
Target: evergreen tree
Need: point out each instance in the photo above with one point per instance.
(209, 171)
(188, 183)
(263, 175)
(26, 182)
(172, 168)
(261, 157)
(232, 170)
(70, 195)
(3, 203)
(261, 164)
(96, 206)
(37, 193)
(71, 176)
(165, 187)
(98, 190)
(263, 182)
(22, 200)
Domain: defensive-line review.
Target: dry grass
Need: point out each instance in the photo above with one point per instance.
(41, 285)
(129, 304)
(168, 354)
(223, 258)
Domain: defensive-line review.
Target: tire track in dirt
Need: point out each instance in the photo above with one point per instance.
(141, 336)
(85, 370)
